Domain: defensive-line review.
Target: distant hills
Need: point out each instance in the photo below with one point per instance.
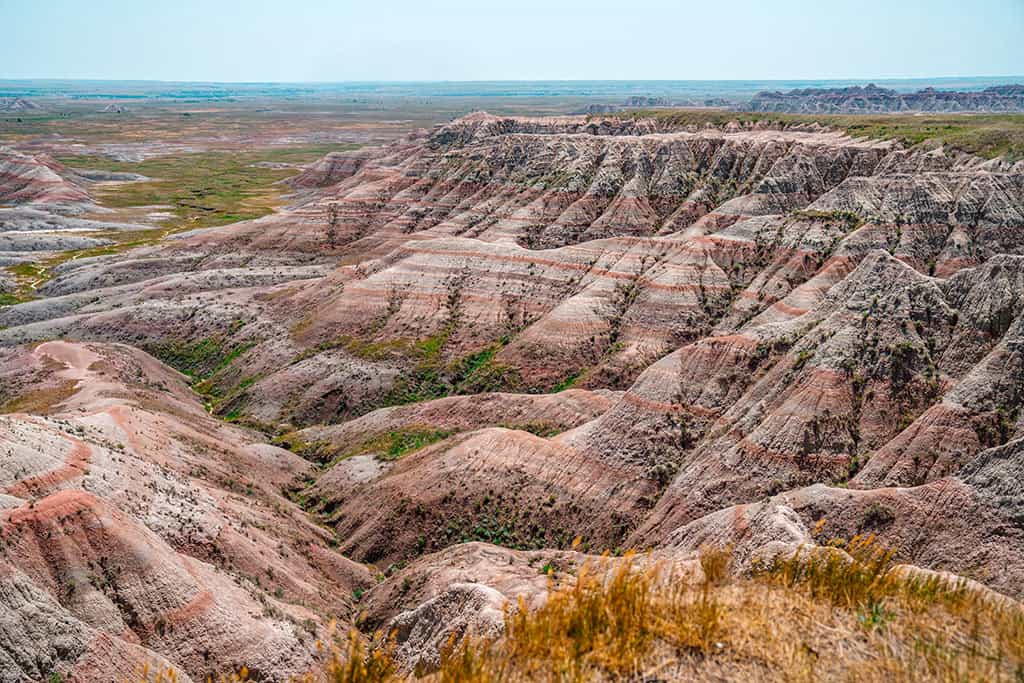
(608, 92)
(855, 99)
(873, 99)
(584, 97)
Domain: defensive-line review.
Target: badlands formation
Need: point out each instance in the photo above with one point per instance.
(873, 99)
(856, 99)
(494, 346)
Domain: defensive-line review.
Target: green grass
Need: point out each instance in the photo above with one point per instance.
(390, 446)
(40, 400)
(986, 135)
(848, 217)
(569, 381)
(200, 360)
(538, 428)
(432, 378)
(24, 270)
(203, 189)
(361, 348)
(26, 275)
(407, 441)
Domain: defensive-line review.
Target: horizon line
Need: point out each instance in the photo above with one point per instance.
(869, 79)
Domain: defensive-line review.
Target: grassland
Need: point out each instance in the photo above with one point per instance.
(197, 190)
(203, 189)
(221, 124)
(986, 135)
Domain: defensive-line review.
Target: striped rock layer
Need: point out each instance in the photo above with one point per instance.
(762, 328)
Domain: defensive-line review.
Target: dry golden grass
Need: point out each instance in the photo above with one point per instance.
(360, 663)
(812, 616)
(41, 401)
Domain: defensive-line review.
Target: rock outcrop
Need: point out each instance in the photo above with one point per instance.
(40, 180)
(150, 529)
(17, 104)
(871, 99)
(542, 334)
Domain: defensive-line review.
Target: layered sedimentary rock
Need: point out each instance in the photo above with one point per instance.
(16, 104)
(135, 519)
(44, 196)
(528, 331)
(700, 228)
(38, 180)
(875, 100)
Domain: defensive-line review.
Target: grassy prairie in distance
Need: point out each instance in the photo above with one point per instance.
(203, 189)
(200, 190)
(986, 135)
(228, 124)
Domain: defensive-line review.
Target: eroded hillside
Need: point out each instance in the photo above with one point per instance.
(499, 345)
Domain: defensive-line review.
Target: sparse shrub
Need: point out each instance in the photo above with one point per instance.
(663, 473)
(331, 228)
(407, 441)
(877, 515)
(801, 358)
(537, 428)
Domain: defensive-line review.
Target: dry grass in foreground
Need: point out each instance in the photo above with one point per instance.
(813, 616)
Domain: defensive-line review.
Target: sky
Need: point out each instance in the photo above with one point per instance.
(344, 40)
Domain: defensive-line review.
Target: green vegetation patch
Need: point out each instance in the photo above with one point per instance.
(569, 381)
(537, 428)
(199, 190)
(507, 521)
(203, 189)
(200, 360)
(390, 446)
(432, 378)
(849, 217)
(24, 270)
(407, 441)
(360, 348)
(26, 276)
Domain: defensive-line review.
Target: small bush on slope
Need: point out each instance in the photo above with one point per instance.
(812, 616)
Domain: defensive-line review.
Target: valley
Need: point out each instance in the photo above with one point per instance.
(275, 371)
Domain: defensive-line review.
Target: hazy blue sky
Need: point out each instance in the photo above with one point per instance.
(320, 40)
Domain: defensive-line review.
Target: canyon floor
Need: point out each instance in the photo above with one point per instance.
(376, 390)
